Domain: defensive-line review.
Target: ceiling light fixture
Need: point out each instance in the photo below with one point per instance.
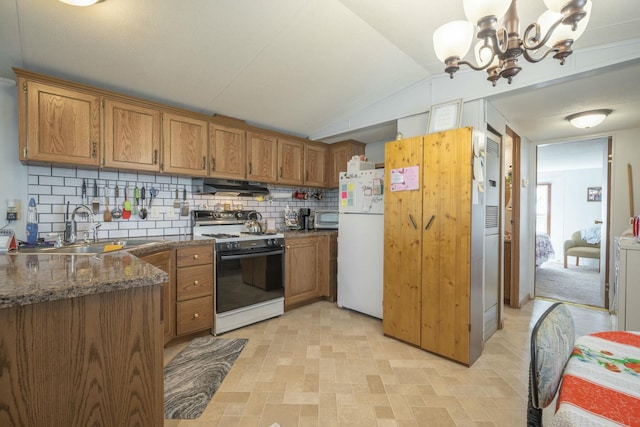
(498, 50)
(588, 119)
(81, 2)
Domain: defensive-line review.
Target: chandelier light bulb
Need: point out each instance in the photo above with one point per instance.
(555, 5)
(475, 10)
(563, 32)
(453, 39)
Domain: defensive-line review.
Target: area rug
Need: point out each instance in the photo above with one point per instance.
(194, 375)
(579, 285)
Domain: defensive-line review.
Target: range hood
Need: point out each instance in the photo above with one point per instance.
(228, 187)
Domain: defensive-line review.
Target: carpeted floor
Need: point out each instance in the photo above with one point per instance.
(574, 284)
(194, 375)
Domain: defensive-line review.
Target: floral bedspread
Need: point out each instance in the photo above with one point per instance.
(601, 382)
(544, 249)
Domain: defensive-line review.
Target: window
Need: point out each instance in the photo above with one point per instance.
(543, 209)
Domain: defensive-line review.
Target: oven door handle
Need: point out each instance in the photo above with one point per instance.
(249, 255)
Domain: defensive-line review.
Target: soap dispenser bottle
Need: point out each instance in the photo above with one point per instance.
(32, 223)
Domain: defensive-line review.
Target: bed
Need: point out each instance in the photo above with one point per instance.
(544, 249)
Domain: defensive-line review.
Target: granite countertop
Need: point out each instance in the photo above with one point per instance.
(308, 233)
(34, 278)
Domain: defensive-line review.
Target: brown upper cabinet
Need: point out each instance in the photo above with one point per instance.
(184, 145)
(315, 164)
(341, 153)
(262, 157)
(62, 125)
(290, 161)
(70, 123)
(131, 136)
(227, 152)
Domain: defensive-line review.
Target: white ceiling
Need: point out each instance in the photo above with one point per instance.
(295, 65)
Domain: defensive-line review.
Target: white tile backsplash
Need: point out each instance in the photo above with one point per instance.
(53, 187)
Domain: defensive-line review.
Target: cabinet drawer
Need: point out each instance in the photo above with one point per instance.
(193, 282)
(195, 255)
(194, 315)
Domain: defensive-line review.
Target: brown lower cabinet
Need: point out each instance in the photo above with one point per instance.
(310, 268)
(91, 360)
(194, 289)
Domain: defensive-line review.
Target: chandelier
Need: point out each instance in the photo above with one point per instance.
(499, 49)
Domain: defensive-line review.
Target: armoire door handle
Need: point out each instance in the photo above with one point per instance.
(413, 222)
(430, 221)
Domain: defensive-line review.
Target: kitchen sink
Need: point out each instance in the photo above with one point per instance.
(90, 248)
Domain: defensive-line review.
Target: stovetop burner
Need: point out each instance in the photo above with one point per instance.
(221, 235)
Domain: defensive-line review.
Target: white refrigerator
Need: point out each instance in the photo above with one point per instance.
(360, 241)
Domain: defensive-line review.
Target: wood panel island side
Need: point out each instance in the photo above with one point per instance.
(81, 340)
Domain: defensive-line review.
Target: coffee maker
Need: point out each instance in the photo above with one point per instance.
(304, 219)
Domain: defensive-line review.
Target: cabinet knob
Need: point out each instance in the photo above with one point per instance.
(195, 256)
(195, 282)
(195, 315)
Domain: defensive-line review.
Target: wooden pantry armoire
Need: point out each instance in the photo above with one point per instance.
(433, 245)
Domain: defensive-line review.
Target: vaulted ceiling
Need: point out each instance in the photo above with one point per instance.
(299, 66)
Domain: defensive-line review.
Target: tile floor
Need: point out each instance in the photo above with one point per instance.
(320, 365)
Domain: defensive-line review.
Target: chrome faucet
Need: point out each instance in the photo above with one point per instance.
(74, 225)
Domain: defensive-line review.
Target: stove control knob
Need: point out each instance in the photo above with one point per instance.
(236, 245)
(239, 215)
(216, 215)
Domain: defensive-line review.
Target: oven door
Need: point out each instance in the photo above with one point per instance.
(244, 279)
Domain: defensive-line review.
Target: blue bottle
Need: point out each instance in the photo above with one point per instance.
(32, 223)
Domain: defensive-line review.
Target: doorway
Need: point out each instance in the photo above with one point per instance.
(572, 196)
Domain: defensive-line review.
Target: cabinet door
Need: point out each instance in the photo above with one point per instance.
(62, 125)
(290, 161)
(165, 261)
(328, 266)
(228, 152)
(131, 136)
(315, 165)
(302, 264)
(262, 157)
(403, 245)
(184, 145)
(341, 153)
(446, 251)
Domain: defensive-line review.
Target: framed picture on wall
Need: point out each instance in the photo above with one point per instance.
(445, 116)
(594, 194)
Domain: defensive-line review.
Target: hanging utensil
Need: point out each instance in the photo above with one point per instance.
(184, 210)
(126, 207)
(153, 192)
(143, 210)
(116, 212)
(95, 203)
(176, 201)
(107, 212)
(136, 196)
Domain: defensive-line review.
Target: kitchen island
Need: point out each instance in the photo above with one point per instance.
(81, 340)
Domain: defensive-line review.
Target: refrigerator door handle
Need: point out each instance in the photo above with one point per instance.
(430, 221)
(413, 222)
